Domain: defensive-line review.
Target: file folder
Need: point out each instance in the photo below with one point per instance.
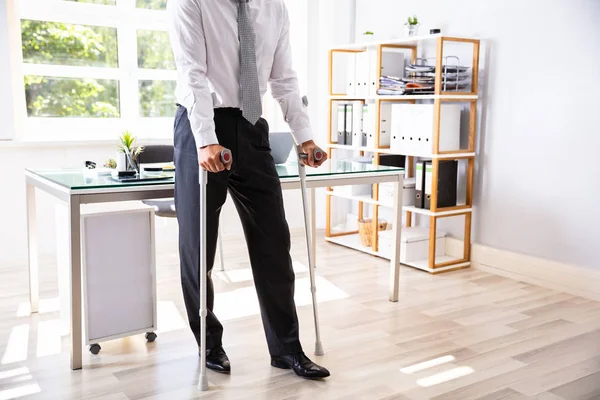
(362, 74)
(446, 183)
(348, 129)
(357, 123)
(385, 124)
(372, 73)
(341, 120)
(351, 75)
(369, 123)
(419, 184)
(392, 160)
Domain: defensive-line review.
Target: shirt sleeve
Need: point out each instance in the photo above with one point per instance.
(189, 51)
(284, 86)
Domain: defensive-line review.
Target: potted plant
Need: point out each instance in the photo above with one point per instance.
(412, 26)
(369, 36)
(127, 152)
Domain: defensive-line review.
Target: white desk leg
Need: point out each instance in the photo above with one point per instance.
(313, 226)
(396, 232)
(75, 278)
(32, 245)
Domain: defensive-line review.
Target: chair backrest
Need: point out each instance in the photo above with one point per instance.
(156, 154)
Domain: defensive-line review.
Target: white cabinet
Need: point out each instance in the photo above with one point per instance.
(412, 128)
(119, 284)
(118, 270)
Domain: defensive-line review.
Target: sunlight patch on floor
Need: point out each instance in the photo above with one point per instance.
(245, 274)
(427, 364)
(16, 348)
(14, 376)
(244, 302)
(445, 376)
(19, 391)
(45, 306)
(169, 318)
(11, 373)
(49, 339)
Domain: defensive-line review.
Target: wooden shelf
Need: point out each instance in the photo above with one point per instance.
(405, 41)
(423, 211)
(441, 96)
(389, 151)
(353, 241)
(408, 97)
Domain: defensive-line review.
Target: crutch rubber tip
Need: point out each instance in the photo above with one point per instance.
(319, 349)
(203, 384)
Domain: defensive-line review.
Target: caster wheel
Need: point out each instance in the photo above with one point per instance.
(95, 348)
(150, 336)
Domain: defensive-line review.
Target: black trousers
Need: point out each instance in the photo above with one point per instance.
(254, 186)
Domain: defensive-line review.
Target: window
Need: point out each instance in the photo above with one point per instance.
(106, 61)
(110, 62)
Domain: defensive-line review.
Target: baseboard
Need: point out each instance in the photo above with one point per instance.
(572, 279)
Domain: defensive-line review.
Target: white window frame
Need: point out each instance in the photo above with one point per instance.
(127, 19)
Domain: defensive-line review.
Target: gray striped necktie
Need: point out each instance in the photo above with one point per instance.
(251, 102)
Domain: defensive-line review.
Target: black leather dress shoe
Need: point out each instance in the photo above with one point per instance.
(301, 365)
(217, 360)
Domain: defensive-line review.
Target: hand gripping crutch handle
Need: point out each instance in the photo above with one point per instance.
(226, 158)
(318, 154)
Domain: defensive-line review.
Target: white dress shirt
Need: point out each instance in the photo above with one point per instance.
(204, 39)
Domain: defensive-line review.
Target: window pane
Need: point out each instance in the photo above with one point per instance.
(154, 50)
(105, 2)
(66, 44)
(157, 98)
(70, 97)
(151, 4)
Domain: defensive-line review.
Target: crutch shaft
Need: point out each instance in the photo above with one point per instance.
(226, 158)
(311, 267)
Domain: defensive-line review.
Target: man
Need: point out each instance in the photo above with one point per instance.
(226, 52)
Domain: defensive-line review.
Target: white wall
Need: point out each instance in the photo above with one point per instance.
(538, 173)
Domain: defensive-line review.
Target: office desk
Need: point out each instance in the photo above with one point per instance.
(74, 188)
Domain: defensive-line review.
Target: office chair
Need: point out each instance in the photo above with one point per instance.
(165, 208)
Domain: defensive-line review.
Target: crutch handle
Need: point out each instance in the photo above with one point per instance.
(318, 154)
(226, 156)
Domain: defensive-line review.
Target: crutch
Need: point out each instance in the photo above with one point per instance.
(203, 380)
(317, 155)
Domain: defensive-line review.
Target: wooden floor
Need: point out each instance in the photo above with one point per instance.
(461, 335)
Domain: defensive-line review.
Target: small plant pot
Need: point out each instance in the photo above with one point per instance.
(121, 159)
(368, 38)
(411, 30)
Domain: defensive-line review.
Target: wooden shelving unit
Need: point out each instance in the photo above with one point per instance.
(433, 264)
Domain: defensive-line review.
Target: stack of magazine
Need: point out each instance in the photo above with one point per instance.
(390, 86)
(420, 79)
